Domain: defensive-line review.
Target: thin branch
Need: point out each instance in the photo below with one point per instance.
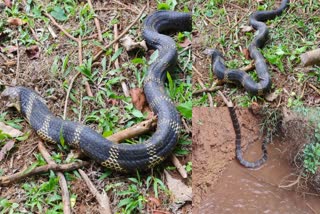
(62, 180)
(225, 100)
(60, 27)
(116, 62)
(102, 199)
(136, 130)
(5, 180)
(96, 57)
(212, 89)
(97, 23)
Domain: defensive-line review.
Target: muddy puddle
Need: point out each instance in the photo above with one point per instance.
(240, 190)
(221, 185)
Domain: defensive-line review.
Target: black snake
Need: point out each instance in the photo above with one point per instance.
(237, 129)
(256, 20)
(120, 157)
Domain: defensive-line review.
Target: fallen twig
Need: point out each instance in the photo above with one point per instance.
(310, 57)
(225, 100)
(102, 199)
(5, 180)
(60, 27)
(116, 63)
(212, 89)
(62, 180)
(96, 57)
(97, 23)
(136, 130)
(179, 166)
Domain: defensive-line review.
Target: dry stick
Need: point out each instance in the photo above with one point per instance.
(60, 27)
(68, 94)
(209, 95)
(96, 57)
(124, 5)
(18, 63)
(116, 63)
(225, 100)
(196, 70)
(136, 130)
(97, 23)
(62, 180)
(212, 89)
(314, 88)
(179, 166)
(5, 180)
(102, 199)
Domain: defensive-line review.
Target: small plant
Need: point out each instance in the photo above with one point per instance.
(135, 198)
(46, 194)
(7, 206)
(311, 155)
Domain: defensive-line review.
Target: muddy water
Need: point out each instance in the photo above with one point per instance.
(240, 190)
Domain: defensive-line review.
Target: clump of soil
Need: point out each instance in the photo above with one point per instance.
(299, 130)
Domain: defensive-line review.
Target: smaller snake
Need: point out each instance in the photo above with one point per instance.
(237, 130)
(256, 20)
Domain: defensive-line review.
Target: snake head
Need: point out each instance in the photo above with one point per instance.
(214, 53)
(13, 95)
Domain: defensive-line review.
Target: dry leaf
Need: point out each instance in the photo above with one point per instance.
(15, 21)
(6, 148)
(154, 202)
(128, 43)
(138, 98)
(272, 96)
(246, 53)
(181, 193)
(246, 28)
(10, 131)
(33, 52)
(8, 3)
(185, 43)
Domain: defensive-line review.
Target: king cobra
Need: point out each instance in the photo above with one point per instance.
(256, 20)
(120, 157)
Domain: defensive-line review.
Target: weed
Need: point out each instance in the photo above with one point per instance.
(311, 155)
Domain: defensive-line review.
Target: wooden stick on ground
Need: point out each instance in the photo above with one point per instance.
(102, 199)
(62, 180)
(97, 56)
(225, 100)
(310, 58)
(97, 23)
(5, 180)
(116, 63)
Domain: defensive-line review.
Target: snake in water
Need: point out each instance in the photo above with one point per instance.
(237, 129)
(256, 20)
(120, 157)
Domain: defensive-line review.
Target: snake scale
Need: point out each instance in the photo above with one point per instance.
(120, 157)
(256, 20)
(236, 127)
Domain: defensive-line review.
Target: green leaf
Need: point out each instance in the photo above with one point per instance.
(137, 113)
(116, 54)
(59, 13)
(163, 6)
(185, 109)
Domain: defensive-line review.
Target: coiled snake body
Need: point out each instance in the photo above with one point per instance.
(120, 157)
(236, 127)
(257, 20)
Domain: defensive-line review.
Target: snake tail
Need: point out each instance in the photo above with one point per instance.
(239, 156)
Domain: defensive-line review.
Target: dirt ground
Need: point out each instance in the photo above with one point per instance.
(214, 146)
